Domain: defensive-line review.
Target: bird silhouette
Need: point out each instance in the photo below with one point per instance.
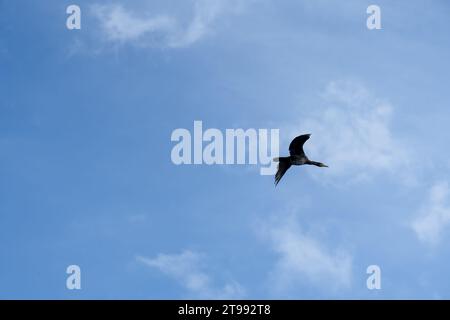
(297, 157)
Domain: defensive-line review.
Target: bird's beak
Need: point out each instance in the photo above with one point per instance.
(325, 166)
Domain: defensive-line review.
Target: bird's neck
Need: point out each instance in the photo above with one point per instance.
(314, 163)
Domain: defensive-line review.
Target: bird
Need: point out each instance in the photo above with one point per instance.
(297, 157)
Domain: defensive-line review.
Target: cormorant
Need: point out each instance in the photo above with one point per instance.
(297, 157)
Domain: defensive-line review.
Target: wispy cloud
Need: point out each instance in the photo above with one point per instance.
(352, 134)
(186, 268)
(304, 260)
(434, 217)
(121, 25)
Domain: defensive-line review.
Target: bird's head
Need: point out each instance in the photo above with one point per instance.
(322, 165)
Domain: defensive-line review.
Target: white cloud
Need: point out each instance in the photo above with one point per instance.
(434, 216)
(303, 260)
(352, 134)
(120, 25)
(186, 268)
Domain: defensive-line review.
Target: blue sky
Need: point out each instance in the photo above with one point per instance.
(86, 175)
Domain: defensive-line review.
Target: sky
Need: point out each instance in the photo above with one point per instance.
(86, 176)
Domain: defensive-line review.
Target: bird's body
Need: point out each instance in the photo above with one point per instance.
(298, 160)
(297, 157)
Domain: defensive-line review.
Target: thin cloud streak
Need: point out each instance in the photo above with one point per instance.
(186, 269)
(120, 25)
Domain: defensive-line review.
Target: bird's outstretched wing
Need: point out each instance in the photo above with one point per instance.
(283, 166)
(296, 146)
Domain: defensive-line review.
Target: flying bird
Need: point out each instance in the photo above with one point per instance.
(297, 157)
